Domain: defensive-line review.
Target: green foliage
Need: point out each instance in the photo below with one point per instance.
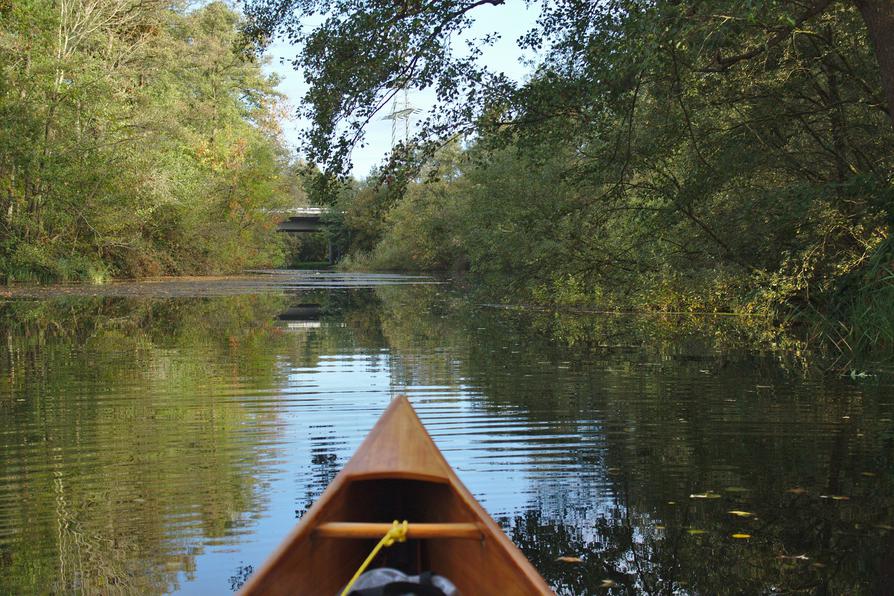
(663, 156)
(421, 229)
(134, 141)
(307, 251)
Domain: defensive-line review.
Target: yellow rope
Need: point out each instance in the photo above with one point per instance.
(397, 533)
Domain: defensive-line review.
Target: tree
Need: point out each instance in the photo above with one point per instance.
(134, 140)
(361, 53)
(664, 155)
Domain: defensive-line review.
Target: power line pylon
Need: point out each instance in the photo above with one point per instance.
(401, 112)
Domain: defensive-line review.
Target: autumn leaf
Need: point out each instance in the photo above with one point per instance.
(570, 560)
(738, 513)
(736, 489)
(705, 495)
(741, 536)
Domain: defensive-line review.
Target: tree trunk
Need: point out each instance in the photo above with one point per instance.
(837, 118)
(879, 18)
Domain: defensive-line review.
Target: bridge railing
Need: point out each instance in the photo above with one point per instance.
(299, 211)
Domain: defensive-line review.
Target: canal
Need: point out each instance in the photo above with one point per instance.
(164, 437)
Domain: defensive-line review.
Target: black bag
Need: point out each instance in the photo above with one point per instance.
(425, 586)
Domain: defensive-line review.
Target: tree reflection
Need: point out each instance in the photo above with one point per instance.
(657, 415)
(238, 579)
(121, 449)
(135, 431)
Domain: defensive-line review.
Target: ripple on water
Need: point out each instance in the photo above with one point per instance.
(164, 444)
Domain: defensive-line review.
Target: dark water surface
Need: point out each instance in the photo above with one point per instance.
(165, 439)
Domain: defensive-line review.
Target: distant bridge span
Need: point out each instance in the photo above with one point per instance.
(303, 220)
(300, 219)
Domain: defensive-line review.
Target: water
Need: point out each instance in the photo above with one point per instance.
(165, 437)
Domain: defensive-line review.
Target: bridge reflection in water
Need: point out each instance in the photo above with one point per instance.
(301, 316)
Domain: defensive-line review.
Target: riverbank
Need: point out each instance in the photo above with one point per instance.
(804, 343)
(252, 282)
(842, 330)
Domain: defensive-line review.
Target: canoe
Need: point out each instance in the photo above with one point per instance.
(397, 473)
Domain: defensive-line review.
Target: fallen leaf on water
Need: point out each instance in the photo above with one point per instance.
(607, 583)
(836, 497)
(705, 495)
(797, 491)
(570, 560)
(736, 489)
(614, 470)
(738, 513)
(695, 531)
(867, 474)
(794, 557)
(671, 502)
(741, 536)
(660, 527)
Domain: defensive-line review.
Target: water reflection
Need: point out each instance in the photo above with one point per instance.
(301, 316)
(127, 447)
(162, 444)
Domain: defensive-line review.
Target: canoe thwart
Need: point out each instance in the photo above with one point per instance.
(415, 531)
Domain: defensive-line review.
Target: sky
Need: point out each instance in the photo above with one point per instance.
(511, 20)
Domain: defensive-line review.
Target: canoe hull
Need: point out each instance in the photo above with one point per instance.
(397, 473)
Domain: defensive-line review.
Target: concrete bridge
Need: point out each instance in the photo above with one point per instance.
(300, 220)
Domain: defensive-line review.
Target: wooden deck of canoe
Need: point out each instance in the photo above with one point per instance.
(397, 473)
